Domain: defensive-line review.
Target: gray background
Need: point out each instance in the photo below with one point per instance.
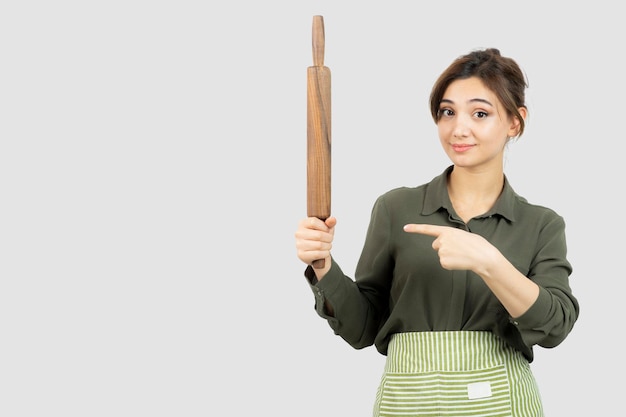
(152, 175)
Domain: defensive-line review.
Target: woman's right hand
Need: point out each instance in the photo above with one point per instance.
(314, 240)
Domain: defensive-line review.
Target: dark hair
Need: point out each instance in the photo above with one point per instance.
(500, 74)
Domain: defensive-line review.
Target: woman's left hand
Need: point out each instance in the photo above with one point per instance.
(457, 249)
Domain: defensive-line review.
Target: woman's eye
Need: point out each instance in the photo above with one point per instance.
(446, 112)
(481, 114)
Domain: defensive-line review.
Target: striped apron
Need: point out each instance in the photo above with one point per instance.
(455, 373)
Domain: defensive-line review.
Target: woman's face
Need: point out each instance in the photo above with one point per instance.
(473, 125)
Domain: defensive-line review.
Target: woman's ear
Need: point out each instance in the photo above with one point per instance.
(515, 125)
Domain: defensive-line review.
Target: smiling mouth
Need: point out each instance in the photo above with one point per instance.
(461, 148)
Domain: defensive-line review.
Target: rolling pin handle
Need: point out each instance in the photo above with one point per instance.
(318, 41)
(319, 264)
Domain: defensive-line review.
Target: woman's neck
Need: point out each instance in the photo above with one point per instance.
(474, 193)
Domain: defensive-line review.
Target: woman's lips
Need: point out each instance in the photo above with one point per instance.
(461, 147)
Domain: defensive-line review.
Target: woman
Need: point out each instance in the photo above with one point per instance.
(458, 278)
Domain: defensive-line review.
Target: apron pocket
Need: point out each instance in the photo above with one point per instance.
(479, 392)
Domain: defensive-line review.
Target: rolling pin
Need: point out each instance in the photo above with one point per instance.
(318, 131)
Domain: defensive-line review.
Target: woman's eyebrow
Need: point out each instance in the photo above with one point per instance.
(474, 100)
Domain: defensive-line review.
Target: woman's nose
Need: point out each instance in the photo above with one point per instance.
(460, 130)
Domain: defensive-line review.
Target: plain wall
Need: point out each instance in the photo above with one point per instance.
(152, 175)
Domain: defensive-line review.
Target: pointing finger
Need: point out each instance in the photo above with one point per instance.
(425, 229)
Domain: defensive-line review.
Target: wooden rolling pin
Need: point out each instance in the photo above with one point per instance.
(318, 131)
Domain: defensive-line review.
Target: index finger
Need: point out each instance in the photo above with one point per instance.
(316, 224)
(425, 229)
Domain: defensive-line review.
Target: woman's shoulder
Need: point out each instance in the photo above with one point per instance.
(402, 197)
(437, 185)
(402, 192)
(530, 210)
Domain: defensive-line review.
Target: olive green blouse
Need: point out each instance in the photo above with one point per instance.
(400, 286)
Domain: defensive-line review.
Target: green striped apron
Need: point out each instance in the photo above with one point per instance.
(456, 373)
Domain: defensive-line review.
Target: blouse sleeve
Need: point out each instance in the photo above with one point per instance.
(360, 306)
(551, 318)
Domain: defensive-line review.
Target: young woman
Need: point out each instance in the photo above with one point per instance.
(458, 278)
